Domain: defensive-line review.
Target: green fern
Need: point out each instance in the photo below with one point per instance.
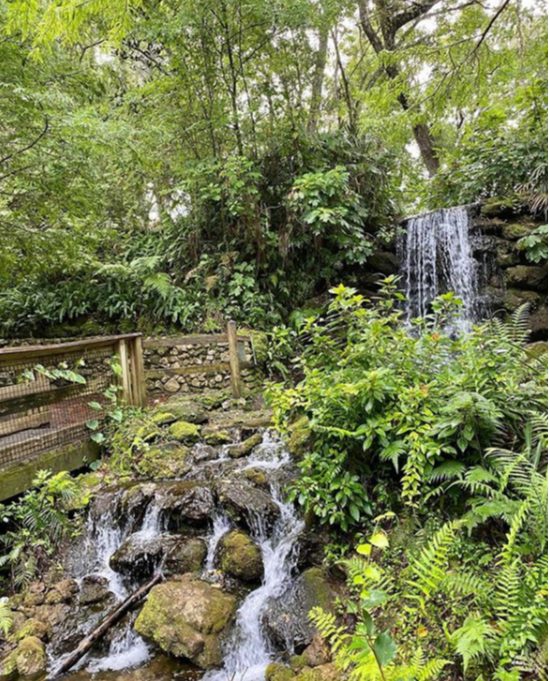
(430, 567)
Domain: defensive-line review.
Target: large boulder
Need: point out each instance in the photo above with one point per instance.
(187, 619)
(94, 589)
(240, 557)
(246, 504)
(286, 618)
(186, 504)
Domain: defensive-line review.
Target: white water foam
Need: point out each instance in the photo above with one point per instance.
(249, 651)
(438, 259)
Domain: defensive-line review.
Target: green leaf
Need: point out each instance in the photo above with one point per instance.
(92, 424)
(98, 437)
(380, 540)
(384, 648)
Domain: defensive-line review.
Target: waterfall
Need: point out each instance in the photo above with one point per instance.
(249, 650)
(437, 258)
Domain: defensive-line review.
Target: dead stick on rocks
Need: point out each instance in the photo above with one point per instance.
(105, 625)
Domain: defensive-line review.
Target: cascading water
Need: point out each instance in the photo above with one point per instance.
(249, 651)
(437, 258)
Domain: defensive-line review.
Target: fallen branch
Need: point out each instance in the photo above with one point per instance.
(105, 625)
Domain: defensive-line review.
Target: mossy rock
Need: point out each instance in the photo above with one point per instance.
(160, 463)
(240, 557)
(185, 432)
(297, 662)
(187, 410)
(186, 618)
(515, 297)
(218, 437)
(527, 276)
(185, 555)
(149, 432)
(244, 448)
(500, 207)
(163, 418)
(256, 477)
(213, 400)
(35, 628)
(514, 232)
(30, 656)
(300, 437)
(326, 672)
(260, 342)
(278, 672)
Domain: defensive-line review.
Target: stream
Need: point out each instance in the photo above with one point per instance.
(248, 649)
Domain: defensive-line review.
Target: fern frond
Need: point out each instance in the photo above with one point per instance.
(429, 568)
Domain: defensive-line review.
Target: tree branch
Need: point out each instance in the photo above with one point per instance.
(31, 144)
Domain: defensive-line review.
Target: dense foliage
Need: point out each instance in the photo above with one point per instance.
(169, 165)
(446, 437)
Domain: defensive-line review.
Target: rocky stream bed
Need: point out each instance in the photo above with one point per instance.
(205, 506)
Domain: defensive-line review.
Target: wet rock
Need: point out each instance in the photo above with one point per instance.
(185, 555)
(278, 672)
(62, 592)
(538, 324)
(246, 447)
(310, 548)
(256, 476)
(240, 557)
(94, 589)
(138, 556)
(247, 504)
(383, 262)
(202, 452)
(30, 656)
(186, 503)
(286, 618)
(135, 500)
(186, 619)
(185, 432)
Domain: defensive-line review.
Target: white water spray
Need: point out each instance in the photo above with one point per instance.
(438, 259)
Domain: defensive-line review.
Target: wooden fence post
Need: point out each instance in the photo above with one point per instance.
(234, 362)
(139, 383)
(125, 379)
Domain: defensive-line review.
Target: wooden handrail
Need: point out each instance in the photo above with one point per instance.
(60, 348)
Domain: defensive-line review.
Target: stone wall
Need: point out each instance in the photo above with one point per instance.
(510, 280)
(191, 364)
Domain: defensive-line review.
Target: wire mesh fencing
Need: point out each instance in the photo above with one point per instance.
(56, 395)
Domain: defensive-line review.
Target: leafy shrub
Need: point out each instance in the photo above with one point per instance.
(384, 403)
(37, 524)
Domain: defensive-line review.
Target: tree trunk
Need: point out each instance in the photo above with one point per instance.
(318, 79)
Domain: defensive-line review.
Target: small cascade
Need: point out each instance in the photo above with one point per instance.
(221, 525)
(249, 651)
(437, 258)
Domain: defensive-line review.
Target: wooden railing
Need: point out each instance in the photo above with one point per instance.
(41, 410)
